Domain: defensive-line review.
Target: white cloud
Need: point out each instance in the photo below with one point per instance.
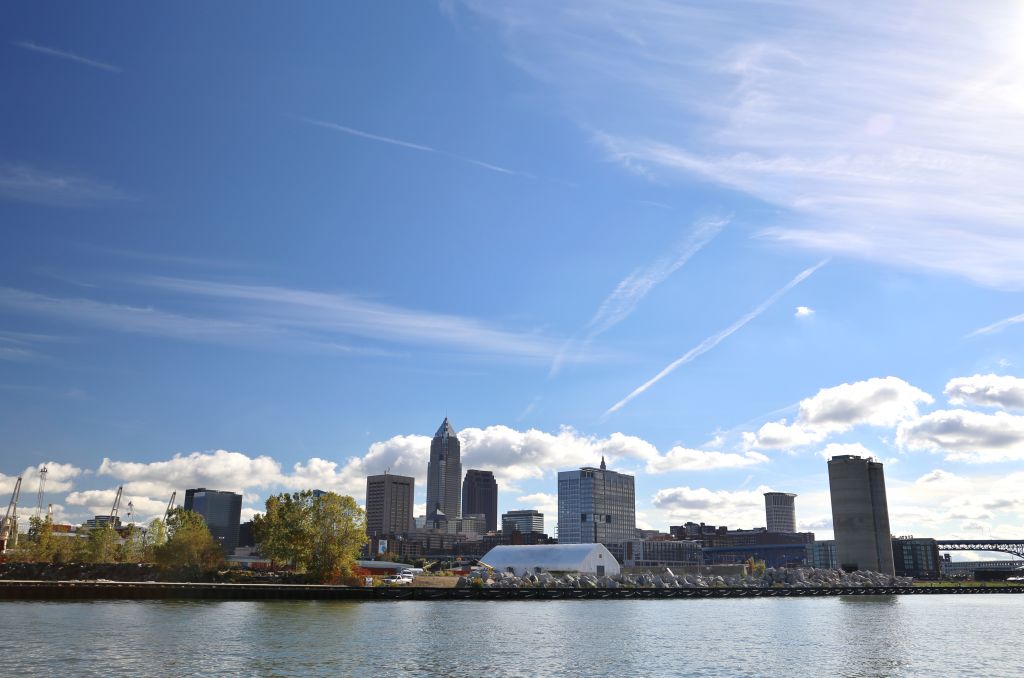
(966, 436)
(742, 508)
(100, 502)
(885, 131)
(882, 402)
(684, 459)
(268, 316)
(715, 339)
(839, 449)
(804, 311)
(988, 390)
(59, 478)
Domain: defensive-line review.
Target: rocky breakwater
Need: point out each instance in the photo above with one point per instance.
(791, 578)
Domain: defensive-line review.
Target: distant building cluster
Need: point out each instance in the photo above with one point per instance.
(597, 506)
(597, 511)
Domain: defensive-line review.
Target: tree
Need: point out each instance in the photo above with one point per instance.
(189, 543)
(282, 532)
(101, 545)
(318, 535)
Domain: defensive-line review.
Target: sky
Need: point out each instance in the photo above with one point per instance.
(270, 248)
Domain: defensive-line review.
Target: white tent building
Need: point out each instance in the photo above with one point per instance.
(582, 558)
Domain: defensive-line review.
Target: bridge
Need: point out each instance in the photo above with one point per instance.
(1014, 546)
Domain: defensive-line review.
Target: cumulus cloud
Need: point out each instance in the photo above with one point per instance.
(685, 459)
(880, 401)
(966, 436)
(804, 311)
(988, 390)
(514, 456)
(839, 449)
(59, 478)
(100, 502)
(941, 500)
(219, 469)
(741, 508)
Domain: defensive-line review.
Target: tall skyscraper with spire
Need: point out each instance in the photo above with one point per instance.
(444, 474)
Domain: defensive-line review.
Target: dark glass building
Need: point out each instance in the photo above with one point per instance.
(444, 474)
(480, 495)
(222, 512)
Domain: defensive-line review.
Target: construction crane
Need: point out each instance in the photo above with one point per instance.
(116, 507)
(170, 505)
(131, 511)
(9, 525)
(39, 495)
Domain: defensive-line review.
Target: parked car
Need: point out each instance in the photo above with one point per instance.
(396, 579)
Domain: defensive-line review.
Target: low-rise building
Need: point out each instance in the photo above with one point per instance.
(662, 553)
(523, 520)
(582, 558)
(917, 558)
(822, 554)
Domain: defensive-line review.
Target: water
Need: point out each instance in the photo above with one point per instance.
(975, 635)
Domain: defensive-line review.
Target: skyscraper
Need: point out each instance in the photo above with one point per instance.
(389, 501)
(595, 505)
(480, 495)
(780, 512)
(444, 474)
(221, 511)
(860, 514)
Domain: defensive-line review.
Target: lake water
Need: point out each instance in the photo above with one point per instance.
(968, 635)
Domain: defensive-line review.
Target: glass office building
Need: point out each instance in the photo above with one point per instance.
(222, 512)
(596, 506)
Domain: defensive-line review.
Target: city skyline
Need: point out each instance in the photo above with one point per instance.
(674, 239)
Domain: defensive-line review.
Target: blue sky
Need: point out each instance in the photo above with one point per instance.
(273, 248)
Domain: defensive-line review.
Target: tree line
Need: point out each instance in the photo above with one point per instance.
(184, 541)
(319, 535)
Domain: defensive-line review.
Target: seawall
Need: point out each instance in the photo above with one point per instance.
(104, 590)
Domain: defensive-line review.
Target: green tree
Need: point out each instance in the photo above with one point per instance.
(134, 549)
(320, 536)
(189, 543)
(101, 545)
(283, 531)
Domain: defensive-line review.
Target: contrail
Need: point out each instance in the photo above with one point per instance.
(631, 290)
(715, 339)
(416, 147)
(995, 327)
(42, 49)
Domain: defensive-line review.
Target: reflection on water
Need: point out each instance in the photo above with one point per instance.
(844, 636)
